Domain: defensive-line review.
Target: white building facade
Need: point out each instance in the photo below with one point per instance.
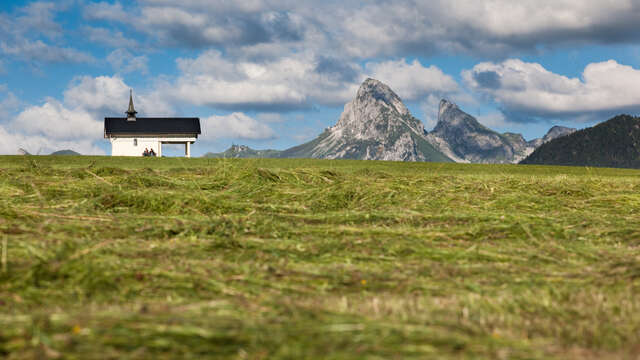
(131, 136)
(134, 145)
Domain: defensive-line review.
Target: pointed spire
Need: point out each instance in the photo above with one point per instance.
(131, 112)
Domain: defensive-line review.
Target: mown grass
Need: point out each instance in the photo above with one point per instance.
(265, 258)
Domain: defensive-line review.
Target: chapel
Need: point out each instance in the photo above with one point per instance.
(132, 135)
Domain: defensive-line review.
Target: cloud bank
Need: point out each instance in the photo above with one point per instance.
(528, 91)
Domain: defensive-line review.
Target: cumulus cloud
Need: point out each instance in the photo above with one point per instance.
(75, 122)
(10, 142)
(494, 28)
(105, 11)
(430, 107)
(22, 33)
(50, 127)
(38, 17)
(236, 125)
(489, 28)
(299, 81)
(528, 91)
(115, 39)
(8, 103)
(203, 24)
(38, 51)
(282, 84)
(124, 62)
(413, 81)
(55, 121)
(109, 95)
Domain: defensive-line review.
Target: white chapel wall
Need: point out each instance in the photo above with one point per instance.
(126, 146)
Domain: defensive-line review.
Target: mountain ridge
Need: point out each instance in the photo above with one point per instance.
(612, 143)
(376, 125)
(464, 139)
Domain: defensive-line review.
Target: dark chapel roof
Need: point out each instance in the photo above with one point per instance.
(151, 126)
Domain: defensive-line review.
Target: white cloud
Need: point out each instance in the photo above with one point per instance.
(77, 122)
(124, 62)
(205, 23)
(236, 125)
(105, 11)
(53, 120)
(22, 33)
(10, 142)
(365, 29)
(299, 81)
(495, 120)
(38, 51)
(491, 28)
(108, 96)
(286, 83)
(530, 90)
(38, 17)
(8, 103)
(412, 81)
(430, 107)
(115, 39)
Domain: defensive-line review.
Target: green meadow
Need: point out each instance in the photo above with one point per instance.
(164, 258)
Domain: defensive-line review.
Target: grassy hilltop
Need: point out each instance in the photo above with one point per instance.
(112, 258)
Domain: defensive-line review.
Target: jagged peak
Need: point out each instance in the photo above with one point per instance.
(372, 81)
(559, 127)
(376, 89)
(446, 105)
(371, 85)
(557, 131)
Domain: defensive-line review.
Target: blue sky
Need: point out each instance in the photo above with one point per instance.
(275, 73)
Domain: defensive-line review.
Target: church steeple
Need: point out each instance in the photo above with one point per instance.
(131, 112)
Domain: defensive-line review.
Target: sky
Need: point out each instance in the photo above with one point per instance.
(276, 73)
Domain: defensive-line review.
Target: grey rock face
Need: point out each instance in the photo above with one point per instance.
(553, 133)
(461, 137)
(556, 132)
(376, 125)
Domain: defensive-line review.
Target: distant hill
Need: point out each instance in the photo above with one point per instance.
(613, 143)
(65, 152)
(243, 151)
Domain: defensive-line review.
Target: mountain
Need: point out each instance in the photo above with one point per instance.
(553, 133)
(65, 152)
(613, 143)
(376, 125)
(462, 138)
(243, 151)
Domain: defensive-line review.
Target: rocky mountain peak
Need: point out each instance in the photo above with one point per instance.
(375, 112)
(374, 125)
(446, 105)
(375, 90)
(450, 116)
(556, 132)
(462, 138)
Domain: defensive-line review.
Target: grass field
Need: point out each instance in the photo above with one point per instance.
(115, 258)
